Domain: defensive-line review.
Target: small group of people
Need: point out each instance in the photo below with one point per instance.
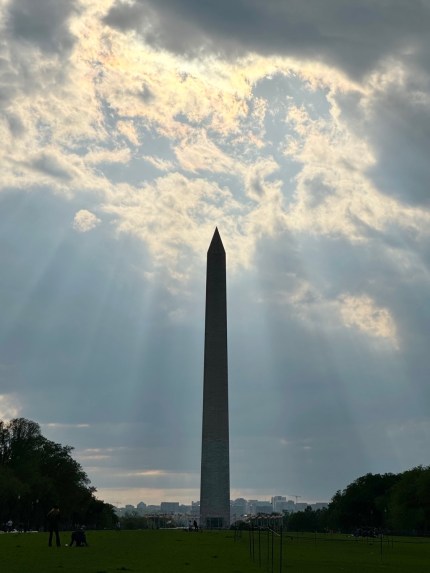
(79, 538)
(193, 526)
(8, 526)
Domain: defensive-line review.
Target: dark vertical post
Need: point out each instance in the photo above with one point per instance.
(259, 545)
(273, 550)
(215, 466)
(280, 550)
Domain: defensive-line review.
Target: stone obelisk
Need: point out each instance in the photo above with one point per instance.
(215, 469)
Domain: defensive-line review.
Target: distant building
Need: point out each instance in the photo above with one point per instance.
(238, 508)
(263, 507)
(256, 506)
(169, 507)
(195, 509)
(301, 506)
(276, 501)
(282, 506)
(319, 505)
(251, 506)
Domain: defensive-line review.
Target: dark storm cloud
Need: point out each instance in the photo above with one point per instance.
(394, 119)
(34, 52)
(44, 23)
(401, 135)
(352, 35)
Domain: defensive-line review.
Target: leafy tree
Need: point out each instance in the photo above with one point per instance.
(363, 503)
(409, 505)
(130, 521)
(36, 473)
(307, 520)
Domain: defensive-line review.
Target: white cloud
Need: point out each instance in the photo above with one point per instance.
(9, 407)
(198, 153)
(362, 312)
(159, 163)
(58, 425)
(96, 156)
(85, 221)
(176, 216)
(334, 193)
(127, 129)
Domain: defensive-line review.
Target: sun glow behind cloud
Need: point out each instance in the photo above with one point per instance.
(116, 95)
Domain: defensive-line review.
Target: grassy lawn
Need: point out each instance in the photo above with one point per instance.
(212, 552)
(339, 553)
(173, 551)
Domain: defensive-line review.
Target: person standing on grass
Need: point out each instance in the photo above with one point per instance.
(53, 521)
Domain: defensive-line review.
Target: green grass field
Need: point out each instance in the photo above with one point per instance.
(306, 553)
(162, 551)
(178, 551)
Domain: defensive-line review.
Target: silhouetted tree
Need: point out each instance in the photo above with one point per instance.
(400, 502)
(36, 473)
(409, 504)
(307, 520)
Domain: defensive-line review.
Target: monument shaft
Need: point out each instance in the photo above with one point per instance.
(215, 468)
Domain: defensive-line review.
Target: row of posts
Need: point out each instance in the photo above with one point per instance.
(265, 545)
(270, 535)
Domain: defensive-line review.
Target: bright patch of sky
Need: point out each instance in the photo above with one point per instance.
(129, 131)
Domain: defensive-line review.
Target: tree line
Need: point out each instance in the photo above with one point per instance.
(37, 473)
(373, 503)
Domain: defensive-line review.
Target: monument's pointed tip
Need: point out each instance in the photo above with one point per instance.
(216, 245)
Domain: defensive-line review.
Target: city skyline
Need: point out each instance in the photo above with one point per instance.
(195, 504)
(131, 129)
(188, 501)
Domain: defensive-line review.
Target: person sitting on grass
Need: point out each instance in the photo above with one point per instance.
(79, 538)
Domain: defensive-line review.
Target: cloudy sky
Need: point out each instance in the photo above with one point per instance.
(129, 130)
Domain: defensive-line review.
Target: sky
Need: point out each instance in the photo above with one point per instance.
(130, 129)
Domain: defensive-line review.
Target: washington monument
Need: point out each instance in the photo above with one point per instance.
(215, 470)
